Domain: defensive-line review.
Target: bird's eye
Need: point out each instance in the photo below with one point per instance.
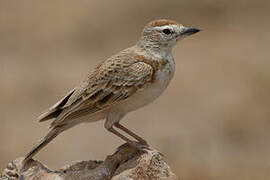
(167, 31)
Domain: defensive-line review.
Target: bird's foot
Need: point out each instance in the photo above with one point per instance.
(141, 146)
(143, 142)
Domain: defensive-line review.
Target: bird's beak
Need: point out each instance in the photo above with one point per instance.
(189, 31)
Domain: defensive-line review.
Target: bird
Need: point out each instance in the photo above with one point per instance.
(125, 82)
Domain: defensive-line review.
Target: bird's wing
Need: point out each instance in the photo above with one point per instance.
(112, 82)
(56, 109)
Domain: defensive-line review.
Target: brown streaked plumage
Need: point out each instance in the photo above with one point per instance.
(111, 83)
(125, 82)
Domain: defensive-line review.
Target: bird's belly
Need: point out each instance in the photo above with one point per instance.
(150, 93)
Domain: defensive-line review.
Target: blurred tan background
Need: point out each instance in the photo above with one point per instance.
(211, 123)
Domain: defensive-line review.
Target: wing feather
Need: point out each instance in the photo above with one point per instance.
(110, 84)
(56, 109)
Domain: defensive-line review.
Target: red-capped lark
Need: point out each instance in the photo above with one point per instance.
(123, 83)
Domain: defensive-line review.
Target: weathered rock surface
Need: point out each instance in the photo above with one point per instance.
(126, 163)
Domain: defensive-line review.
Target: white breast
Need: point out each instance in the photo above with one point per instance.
(150, 93)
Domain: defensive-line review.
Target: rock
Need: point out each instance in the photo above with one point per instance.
(126, 163)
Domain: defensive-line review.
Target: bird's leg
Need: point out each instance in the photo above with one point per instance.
(141, 147)
(110, 122)
(112, 130)
(138, 138)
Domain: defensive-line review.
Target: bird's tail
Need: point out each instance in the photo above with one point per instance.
(49, 137)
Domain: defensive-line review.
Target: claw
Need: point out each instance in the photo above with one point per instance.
(140, 146)
(143, 142)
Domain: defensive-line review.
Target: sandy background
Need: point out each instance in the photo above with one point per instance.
(211, 123)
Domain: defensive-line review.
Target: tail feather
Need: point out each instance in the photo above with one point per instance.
(49, 137)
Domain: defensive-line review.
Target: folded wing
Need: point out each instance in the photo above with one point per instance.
(111, 83)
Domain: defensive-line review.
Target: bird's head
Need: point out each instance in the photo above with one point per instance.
(164, 34)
